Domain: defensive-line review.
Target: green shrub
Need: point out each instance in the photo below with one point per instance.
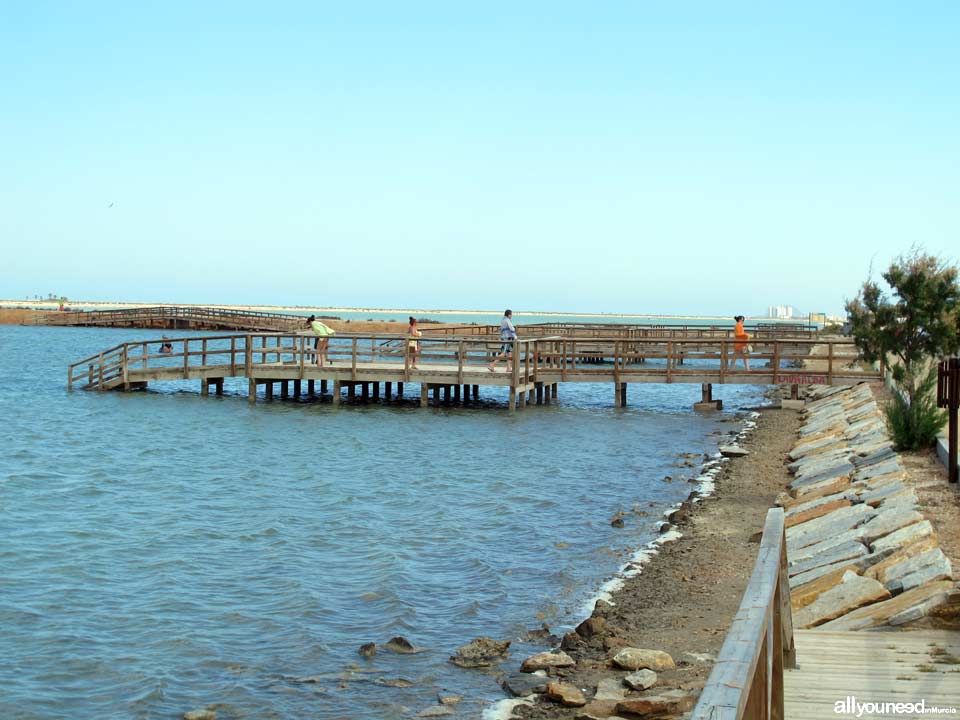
(915, 426)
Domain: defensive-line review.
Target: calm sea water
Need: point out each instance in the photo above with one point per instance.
(162, 552)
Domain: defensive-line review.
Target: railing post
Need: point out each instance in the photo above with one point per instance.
(248, 356)
(233, 355)
(186, 357)
(460, 363)
(669, 360)
(126, 377)
(100, 373)
(353, 367)
(830, 363)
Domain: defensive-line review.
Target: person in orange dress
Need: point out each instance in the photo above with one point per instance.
(740, 348)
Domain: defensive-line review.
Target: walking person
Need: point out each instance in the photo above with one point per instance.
(322, 341)
(413, 343)
(508, 333)
(740, 348)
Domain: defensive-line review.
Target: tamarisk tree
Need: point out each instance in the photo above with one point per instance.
(920, 322)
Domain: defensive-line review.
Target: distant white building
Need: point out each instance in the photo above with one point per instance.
(783, 312)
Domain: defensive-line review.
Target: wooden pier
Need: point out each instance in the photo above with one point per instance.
(179, 318)
(457, 367)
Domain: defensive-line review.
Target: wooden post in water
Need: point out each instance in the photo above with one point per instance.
(352, 387)
(553, 390)
(204, 387)
(376, 391)
(336, 392)
(323, 387)
(251, 391)
(476, 392)
(297, 388)
(446, 394)
(623, 394)
(285, 389)
(399, 391)
(387, 390)
(512, 402)
(365, 390)
(424, 390)
(617, 397)
(219, 386)
(456, 392)
(269, 389)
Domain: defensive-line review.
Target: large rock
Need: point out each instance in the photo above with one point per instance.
(803, 595)
(546, 660)
(921, 599)
(481, 652)
(671, 702)
(733, 451)
(818, 510)
(888, 521)
(904, 536)
(834, 489)
(879, 570)
(937, 569)
(839, 521)
(610, 689)
(523, 684)
(853, 592)
(802, 579)
(638, 659)
(825, 487)
(641, 680)
(829, 556)
(565, 694)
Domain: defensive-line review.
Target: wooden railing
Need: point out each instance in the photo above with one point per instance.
(554, 358)
(241, 319)
(611, 331)
(747, 679)
(233, 355)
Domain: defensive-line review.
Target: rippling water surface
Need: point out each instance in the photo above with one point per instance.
(161, 552)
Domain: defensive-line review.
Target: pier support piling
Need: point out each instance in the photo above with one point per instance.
(706, 399)
(424, 389)
(336, 392)
(399, 391)
(387, 390)
(297, 388)
(323, 387)
(269, 389)
(251, 391)
(285, 389)
(204, 387)
(376, 391)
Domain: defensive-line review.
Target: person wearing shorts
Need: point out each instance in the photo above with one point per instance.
(508, 333)
(413, 345)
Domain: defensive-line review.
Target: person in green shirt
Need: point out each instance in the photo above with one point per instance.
(322, 342)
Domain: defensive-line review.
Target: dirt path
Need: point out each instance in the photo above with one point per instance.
(684, 599)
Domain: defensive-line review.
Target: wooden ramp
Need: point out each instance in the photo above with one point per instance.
(875, 667)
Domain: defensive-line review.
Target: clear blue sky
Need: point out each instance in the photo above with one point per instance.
(613, 156)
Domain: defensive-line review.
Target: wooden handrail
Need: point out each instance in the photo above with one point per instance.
(634, 360)
(747, 680)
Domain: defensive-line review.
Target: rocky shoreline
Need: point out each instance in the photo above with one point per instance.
(658, 630)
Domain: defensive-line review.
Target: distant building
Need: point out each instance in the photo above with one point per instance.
(782, 312)
(818, 318)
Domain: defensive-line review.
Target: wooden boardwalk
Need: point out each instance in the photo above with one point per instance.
(448, 363)
(902, 666)
(172, 318)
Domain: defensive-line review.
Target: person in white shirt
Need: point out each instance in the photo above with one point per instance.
(508, 333)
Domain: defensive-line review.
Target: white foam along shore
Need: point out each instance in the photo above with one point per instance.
(402, 312)
(706, 485)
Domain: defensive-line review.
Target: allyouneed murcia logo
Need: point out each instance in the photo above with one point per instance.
(851, 706)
